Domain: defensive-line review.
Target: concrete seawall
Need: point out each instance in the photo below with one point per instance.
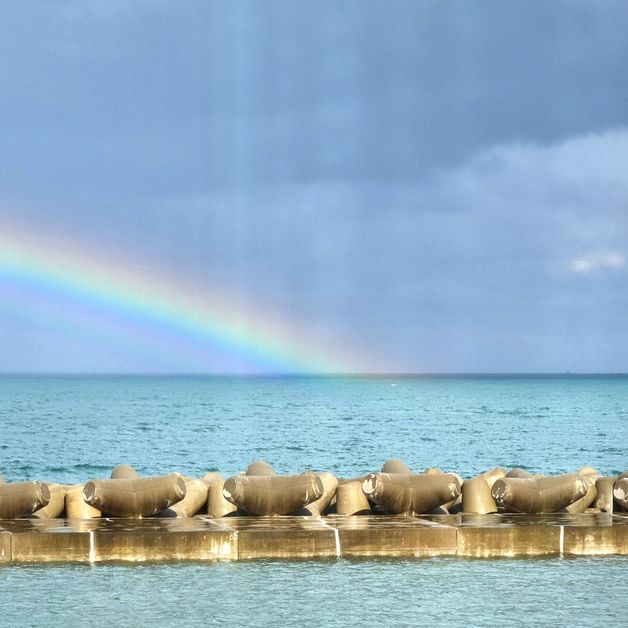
(203, 538)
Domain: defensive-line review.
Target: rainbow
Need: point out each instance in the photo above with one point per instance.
(87, 294)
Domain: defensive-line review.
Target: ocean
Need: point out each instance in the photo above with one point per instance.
(76, 428)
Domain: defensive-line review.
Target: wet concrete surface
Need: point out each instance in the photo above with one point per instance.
(203, 538)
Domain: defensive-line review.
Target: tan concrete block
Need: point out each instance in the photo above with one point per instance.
(205, 538)
(508, 540)
(393, 536)
(507, 535)
(48, 540)
(5, 546)
(608, 534)
(139, 540)
(282, 537)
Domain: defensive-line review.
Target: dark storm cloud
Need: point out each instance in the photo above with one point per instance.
(118, 98)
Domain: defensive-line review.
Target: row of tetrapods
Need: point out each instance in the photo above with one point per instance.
(261, 491)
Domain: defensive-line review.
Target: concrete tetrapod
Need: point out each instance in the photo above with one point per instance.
(350, 498)
(195, 498)
(604, 490)
(400, 493)
(590, 477)
(142, 497)
(21, 499)
(56, 506)
(395, 465)
(75, 506)
(492, 475)
(519, 473)
(260, 467)
(455, 505)
(476, 492)
(539, 495)
(124, 472)
(432, 471)
(620, 491)
(273, 494)
(590, 471)
(217, 504)
(477, 497)
(330, 484)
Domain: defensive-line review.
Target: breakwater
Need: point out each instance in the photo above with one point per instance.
(202, 538)
(259, 490)
(262, 514)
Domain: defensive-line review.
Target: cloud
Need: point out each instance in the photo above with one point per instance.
(113, 99)
(553, 200)
(482, 267)
(437, 189)
(596, 261)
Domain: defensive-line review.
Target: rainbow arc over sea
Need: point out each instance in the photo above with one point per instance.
(82, 291)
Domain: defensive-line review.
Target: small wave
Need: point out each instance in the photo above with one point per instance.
(85, 466)
(56, 469)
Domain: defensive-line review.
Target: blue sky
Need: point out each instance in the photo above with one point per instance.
(443, 185)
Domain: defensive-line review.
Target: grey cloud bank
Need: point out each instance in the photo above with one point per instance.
(444, 184)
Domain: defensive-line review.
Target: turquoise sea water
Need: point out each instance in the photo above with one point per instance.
(72, 429)
(421, 592)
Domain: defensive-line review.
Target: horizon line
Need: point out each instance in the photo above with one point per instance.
(374, 375)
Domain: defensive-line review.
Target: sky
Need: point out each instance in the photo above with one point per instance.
(406, 186)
